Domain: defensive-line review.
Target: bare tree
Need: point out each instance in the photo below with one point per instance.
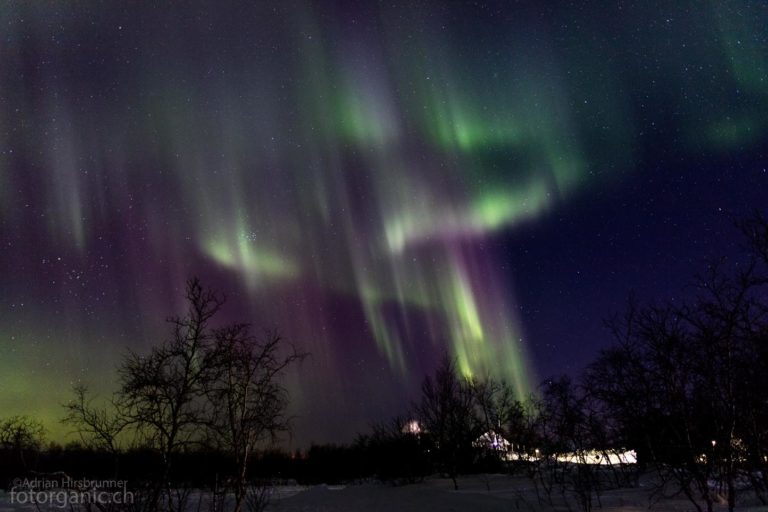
(569, 434)
(648, 385)
(99, 427)
(755, 230)
(21, 434)
(162, 394)
(496, 403)
(204, 385)
(447, 414)
(247, 397)
(687, 385)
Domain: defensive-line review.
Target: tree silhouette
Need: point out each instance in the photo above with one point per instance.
(686, 382)
(21, 434)
(248, 401)
(162, 394)
(447, 414)
(203, 387)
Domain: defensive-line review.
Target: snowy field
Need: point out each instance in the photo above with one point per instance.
(506, 494)
(487, 493)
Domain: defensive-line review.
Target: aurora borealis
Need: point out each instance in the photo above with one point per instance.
(383, 182)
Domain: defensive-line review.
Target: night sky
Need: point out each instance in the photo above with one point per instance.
(383, 182)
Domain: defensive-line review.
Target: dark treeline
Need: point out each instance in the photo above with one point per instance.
(683, 388)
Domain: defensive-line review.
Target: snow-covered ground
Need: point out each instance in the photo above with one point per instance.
(486, 493)
(506, 494)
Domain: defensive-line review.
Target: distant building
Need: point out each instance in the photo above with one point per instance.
(492, 441)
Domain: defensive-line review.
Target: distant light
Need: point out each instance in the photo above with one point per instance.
(610, 457)
(412, 427)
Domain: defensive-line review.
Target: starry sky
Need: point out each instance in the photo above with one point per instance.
(383, 182)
